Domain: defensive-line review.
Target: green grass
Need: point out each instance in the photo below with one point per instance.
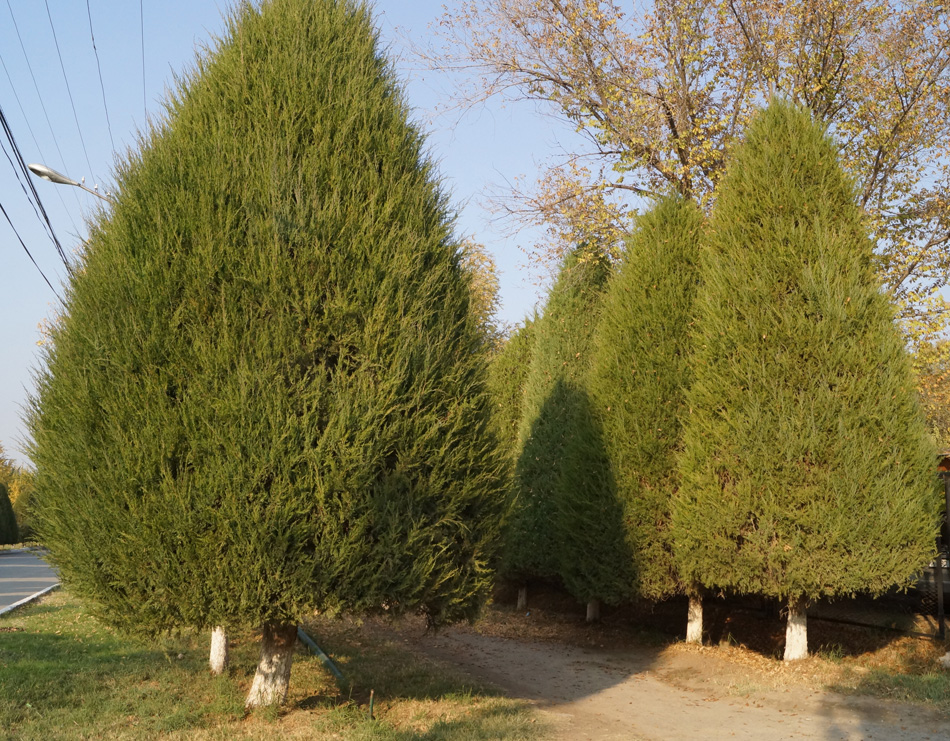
(929, 688)
(65, 675)
(907, 671)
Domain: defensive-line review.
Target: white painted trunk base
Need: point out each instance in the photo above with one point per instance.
(273, 670)
(593, 611)
(522, 599)
(796, 631)
(219, 651)
(694, 620)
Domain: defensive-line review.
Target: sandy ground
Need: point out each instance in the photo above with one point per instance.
(675, 692)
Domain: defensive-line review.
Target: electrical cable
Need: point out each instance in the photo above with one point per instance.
(68, 90)
(38, 94)
(21, 163)
(59, 191)
(23, 187)
(99, 67)
(29, 254)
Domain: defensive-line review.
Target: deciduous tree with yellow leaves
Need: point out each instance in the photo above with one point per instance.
(661, 92)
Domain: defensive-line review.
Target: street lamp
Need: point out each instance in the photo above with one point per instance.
(47, 173)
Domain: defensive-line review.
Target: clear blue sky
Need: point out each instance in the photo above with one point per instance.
(490, 145)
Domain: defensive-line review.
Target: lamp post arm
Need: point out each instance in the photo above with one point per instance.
(48, 173)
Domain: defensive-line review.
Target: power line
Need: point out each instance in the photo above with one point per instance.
(37, 88)
(68, 90)
(59, 191)
(21, 165)
(101, 85)
(29, 254)
(19, 178)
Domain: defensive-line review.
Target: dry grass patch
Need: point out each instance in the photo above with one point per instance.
(745, 642)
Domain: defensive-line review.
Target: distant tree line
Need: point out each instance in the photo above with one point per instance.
(16, 497)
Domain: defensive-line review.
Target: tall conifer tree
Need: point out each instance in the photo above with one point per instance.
(560, 362)
(266, 393)
(507, 374)
(639, 383)
(807, 469)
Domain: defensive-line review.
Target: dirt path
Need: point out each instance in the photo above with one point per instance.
(677, 693)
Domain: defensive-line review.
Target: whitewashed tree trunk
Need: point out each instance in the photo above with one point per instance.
(694, 620)
(593, 611)
(219, 651)
(522, 598)
(273, 670)
(796, 631)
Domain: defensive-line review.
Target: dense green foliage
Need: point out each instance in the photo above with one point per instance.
(559, 363)
(507, 373)
(266, 393)
(592, 554)
(9, 532)
(807, 469)
(640, 379)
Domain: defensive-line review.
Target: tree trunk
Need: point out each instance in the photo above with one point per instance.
(219, 651)
(694, 619)
(273, 670)
(796, 630)
(522, 598)
(593, 611)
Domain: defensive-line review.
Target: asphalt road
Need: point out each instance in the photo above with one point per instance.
(23, 573)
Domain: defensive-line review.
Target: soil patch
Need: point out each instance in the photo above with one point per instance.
(630, 677)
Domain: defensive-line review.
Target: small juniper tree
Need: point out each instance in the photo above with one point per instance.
(9, 533)
(559, 364)
(639, 382)
(807, 468)
(266, 393)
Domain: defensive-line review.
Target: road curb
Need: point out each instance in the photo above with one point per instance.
(27, 600)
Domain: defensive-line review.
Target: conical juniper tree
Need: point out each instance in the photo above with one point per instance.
(639, 382)
(9, 532)
(266, 392)
(807, 470)
(593, 555)
(507, 373)
(559, 365)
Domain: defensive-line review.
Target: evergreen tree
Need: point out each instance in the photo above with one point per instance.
(593, 555)
(807, 469)
(507, 373)
(266, 394)
(9, 533)
(640, 379)
(559, 365)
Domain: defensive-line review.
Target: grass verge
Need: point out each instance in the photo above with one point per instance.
(65, 675)
(907, 670)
